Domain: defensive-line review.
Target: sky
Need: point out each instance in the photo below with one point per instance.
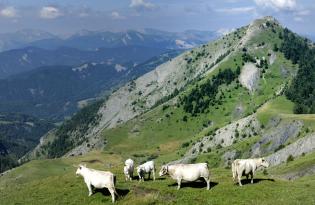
(65, 17)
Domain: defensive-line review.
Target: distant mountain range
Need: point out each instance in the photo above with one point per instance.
(53, 92)
(92, 40)
(22, 37)
(25, 59)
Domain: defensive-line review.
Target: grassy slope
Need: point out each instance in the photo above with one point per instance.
(55, 183)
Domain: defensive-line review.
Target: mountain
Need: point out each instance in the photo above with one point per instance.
(236, 97)
(53, 92)
(18, 134)
(20, 38)
(91, 40)
(25, 59)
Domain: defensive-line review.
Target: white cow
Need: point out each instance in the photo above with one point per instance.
(246, 167)
(187, 172)
(128, 169)
(146, 168)
(98, 179)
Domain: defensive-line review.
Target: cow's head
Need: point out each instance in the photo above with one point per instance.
(139, 170)
(264, 163)
(164, 170)
(80, 168)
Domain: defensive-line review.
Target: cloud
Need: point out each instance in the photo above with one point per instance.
(117, 15)
(298, 19)
(236, 10)
(225, 31)
(278, 4)
(141, 5)
(303, 12)
(50, 12)
(8, 12)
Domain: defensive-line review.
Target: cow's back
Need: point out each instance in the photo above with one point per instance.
(244, 166)
(192, 171)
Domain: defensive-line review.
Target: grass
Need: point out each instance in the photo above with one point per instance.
(283, 108)
(54, 182)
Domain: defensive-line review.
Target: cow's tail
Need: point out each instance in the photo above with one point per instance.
(207, 167)
(114, 182)
(234, 173)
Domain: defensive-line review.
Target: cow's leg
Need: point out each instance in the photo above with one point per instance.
(112, 192)
(208, 182)
(179, 182)
(233, 172)
(139, 177)
(149, 175)
(131, 176)
(89, 188)
(252, 177)
(239, 177)
(153, 173)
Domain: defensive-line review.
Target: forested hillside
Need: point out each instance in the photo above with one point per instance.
(18, 134)
(302, 52)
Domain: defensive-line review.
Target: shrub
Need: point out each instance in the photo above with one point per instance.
(265, 172)
(185, 144)
(290, 158)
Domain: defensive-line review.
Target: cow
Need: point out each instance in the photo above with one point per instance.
(187, 172)
(146, 168)
(246, 167)
(128, 169)
(98, 179)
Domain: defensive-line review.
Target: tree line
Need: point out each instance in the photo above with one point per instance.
(302, 90)
(204, 95)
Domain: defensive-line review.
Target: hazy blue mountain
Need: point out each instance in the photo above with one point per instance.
(53, 92)
(21, 38)
(25, 59)
(91, 40)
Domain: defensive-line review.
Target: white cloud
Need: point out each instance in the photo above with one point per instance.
(298, 19)
(50, 12)
(225, 31)
(236, 10)
(117, 15)
(142, 5)
(278, 4)
(303, 12)
(8, 12)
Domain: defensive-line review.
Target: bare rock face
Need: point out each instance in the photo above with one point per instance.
(249, 77)
(304, 145)
(225, 136)
(278, 135)
(301, 173)
(272, 58)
